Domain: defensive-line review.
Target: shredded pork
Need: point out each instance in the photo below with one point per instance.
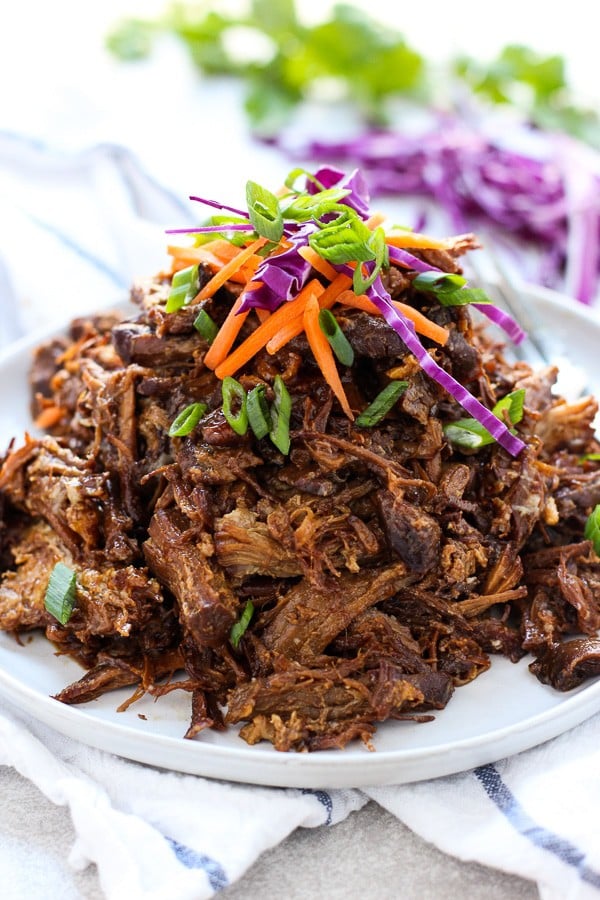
(384, 565)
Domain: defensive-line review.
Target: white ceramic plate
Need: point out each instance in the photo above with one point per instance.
(503, 712)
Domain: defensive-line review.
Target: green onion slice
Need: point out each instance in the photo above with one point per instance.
(593, 457)
(471, 435)
(257, 408)
(187, 420)
(238, 629)
(205, 326)
(184, 287)
(439, 282)
(337, 339)
(264, 211)
(60, 593)
(380, 254)
(463, 296)
(281, 411)
(295, 174)
(303, 207)
(382, 404)
(592, 529)
(344, 239)
(234, 405)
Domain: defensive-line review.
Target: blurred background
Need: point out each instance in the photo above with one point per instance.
(464, 116)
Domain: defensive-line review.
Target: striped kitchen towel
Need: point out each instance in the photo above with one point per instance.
(74, 231)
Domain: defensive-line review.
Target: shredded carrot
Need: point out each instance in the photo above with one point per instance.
(239, 267)
(317, 262)
(261, 314)
(408, 239)
(226, 335)
(190, 256)
(257, 340)
(422, 324)
(341, 283)
(358, 301)
(375, 220)
(295, 327)
(222, 249)
(323, 353)
(49, 416)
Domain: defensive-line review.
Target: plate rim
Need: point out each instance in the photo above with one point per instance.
(256, 765)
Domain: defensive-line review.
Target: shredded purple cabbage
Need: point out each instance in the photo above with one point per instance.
(209, 229)
(358, 198)
(404, 258)
(503, 320)
(282, 275)
(405, 328)
(493, 313)
(216, 205)
(542, 200)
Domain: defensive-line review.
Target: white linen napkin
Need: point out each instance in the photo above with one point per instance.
(95, 218)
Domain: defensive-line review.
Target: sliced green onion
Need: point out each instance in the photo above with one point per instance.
(295, 174)
(344, 239)
(382, 404)
(462, 297)
(439, 282)
(234, 405)
(513, 403)
(592, 529)
(313, 206)
(377, 245)
(259, 416)
(187, 420)
(184, 287)
(239, 628)
(337, 339)
(60, 593)
(238, 239)
(471, 434)
(593, 457)
(264, 211)
(205, 326)
(281, 411)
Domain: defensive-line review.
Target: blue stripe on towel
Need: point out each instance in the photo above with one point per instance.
(510, 807)
(193, 860)
(67, 241)
(324, 798)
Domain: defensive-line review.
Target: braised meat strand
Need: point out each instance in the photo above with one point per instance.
(306, 596)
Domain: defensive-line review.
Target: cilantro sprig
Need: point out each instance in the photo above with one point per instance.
(370, 62)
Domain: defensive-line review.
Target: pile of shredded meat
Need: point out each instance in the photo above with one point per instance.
(383, 564)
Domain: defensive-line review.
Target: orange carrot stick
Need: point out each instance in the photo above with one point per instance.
(375, 220)
(422, 324)
(413, 239)
(323, 353)
(296, 326)
(229, 269)
(257, 340)
(317, 262)
(226, 335)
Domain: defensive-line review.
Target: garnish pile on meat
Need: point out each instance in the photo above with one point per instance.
(384, 565)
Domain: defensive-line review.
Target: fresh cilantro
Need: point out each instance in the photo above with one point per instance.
(370, 62)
